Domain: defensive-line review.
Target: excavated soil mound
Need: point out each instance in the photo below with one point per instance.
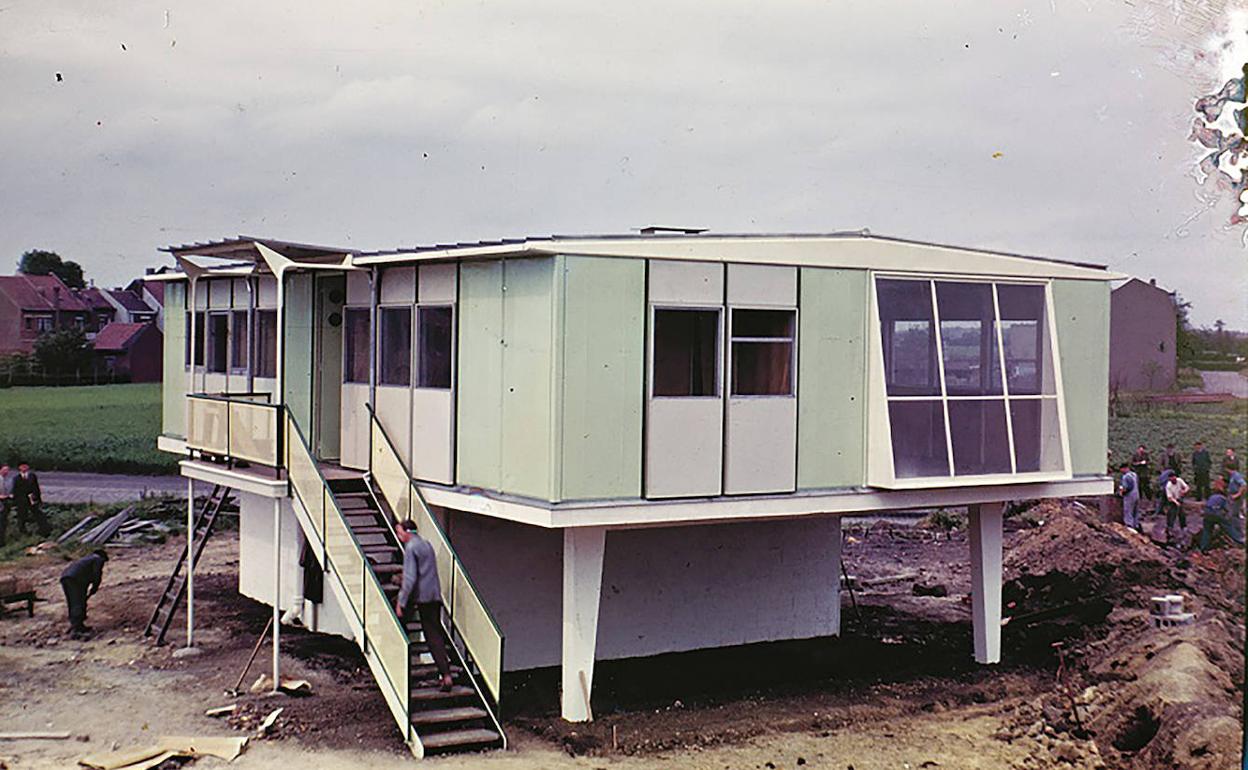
(1145, 697)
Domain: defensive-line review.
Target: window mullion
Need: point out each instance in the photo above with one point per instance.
(940, 371)
(1005, 382)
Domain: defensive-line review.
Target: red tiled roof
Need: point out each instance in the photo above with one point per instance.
(40, 292)
(129, 300)
(156, 289)
(94, 298)
(118, 336)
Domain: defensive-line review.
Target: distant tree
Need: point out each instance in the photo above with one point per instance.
(66, 351)
(1186, 341)
(38, 262)
(1219, 330)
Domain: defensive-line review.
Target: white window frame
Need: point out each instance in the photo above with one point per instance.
(379, 343)
(880, 468)
(346, 343)
(720, 353)
(416, 332)
(730, 338)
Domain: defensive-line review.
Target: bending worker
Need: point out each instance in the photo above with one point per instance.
(422, 590)
(80, 580)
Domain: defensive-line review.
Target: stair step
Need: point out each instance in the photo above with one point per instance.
(455, 738)
(373, 529)
(436, 693)
(457, 714)
(387, 569)
(364, 520)
(368, 539)
(427, 671)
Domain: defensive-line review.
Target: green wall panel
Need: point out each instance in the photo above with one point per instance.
(173, 387)
(603, 367)
(528, 377)
(479, 406)
(298, 350)
(1082, 314)
(831, 406)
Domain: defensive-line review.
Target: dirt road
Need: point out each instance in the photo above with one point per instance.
(70, 487)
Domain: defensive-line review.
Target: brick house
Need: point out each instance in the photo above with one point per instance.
(1141, 337)
(131, 351)
(31, 305)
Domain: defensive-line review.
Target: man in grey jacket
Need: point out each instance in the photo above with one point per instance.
(422, 591)
(7, 478)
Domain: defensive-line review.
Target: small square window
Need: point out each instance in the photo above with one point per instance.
(686, 353)
(435, 330)
(355, 344)
(266, 343)
(762, 352)
(396, 346)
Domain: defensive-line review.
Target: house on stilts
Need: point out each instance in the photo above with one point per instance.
(681, 417)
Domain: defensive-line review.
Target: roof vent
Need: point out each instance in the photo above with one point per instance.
(656, 230)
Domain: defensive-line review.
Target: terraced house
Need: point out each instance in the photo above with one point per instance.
(619, 445)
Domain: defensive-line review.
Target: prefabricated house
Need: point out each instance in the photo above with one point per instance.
(620, 446)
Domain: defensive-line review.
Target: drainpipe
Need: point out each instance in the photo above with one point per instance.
(251, 333)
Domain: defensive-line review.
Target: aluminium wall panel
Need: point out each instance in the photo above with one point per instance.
(686, 283)
(479, 406)
(603, 362)
(357, 288)
(528, 382)
(394, 412)
(297, 339)
(767, 285)
(435, 283)
(173, 385)
(398, 285)
(355, 426)
(831, 397)
(1081, 310)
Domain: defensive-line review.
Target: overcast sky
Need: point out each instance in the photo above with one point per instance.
(1057, 127)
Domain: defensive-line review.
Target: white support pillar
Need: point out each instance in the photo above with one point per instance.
(834, 535)
(190, 562)
(985, 537)
(583, 549)
(277, 590)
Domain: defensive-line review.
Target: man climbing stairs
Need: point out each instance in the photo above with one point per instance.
(445, 721)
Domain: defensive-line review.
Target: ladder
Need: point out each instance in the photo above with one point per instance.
(175, 588)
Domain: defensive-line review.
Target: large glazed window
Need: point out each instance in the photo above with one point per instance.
(762, 352)
(219, 341)
(686, 353)
(396, 346)
(266, 343)
(355, 345)
(969, 378)
(238, 351)
(435, 330)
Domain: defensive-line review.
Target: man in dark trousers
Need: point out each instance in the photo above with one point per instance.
(80, 580)
(1171, 459)
(1202, 465)
(7, 477)
(29, 501)
(422, 591)
(1140, 461)
(1218, 515)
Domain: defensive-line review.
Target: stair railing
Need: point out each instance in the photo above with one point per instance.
(469, 615)
(383, 637)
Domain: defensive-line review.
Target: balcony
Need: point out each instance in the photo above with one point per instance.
(238, 429)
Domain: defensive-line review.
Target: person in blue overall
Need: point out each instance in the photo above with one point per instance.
(1129, 488)
(1218, 515)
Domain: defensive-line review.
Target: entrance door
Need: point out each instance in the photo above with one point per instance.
(330, 297)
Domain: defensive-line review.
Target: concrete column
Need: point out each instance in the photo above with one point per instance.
(190, 562)
(582, 587)
(277, 590)
(834, 535)
(985, 537)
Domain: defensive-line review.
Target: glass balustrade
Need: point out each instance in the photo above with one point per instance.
(253, 433)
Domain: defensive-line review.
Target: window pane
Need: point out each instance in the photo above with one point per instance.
(1037, 435)
(918, 432)
(763, 323)
(435, 329)
(686, 348)
(200, 330)
(355, 345)
(396, 346)
(968, 339)
(238, 358)
(762, 368)
(266, 343)
(1025, 330)
(219, 341)
(980, 442)
(909, 344)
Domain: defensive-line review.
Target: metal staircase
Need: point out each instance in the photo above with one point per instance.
(175, 587)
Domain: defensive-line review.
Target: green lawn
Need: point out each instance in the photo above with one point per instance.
(101, 428)
(1155, 425)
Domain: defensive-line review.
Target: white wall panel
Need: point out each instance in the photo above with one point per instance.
(762, 285)
(212, 382)
(394, 410)
(355, 426)
(238, 294)
(686, 283)
(761, 446)
(684, 447)
(433, 435)
(219, 292)
(357, 288)
(436, 282)
(398, 285)
(266, 295)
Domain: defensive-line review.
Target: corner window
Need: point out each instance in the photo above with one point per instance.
(355, 344)
(396, 346)
(266, 343)
(218, 341)
(686, 353)
(200, 328)
(435, 327)
(762, 352)
(969, 378)
(238, 351)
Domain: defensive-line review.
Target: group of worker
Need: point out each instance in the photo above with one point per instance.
(20, 491)
(1223, 497)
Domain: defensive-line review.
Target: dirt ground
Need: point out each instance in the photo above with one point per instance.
(898, 690)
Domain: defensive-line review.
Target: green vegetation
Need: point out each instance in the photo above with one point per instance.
(102, 428)
(1155, 425)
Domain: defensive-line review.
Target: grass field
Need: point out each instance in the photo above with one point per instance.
(101, 428)
(1155, 425)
